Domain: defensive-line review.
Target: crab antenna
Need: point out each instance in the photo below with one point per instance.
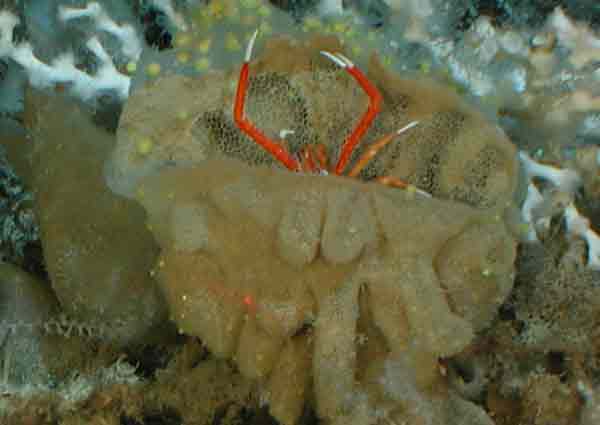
(250, 46)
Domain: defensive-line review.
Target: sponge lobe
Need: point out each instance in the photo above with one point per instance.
(369, 254)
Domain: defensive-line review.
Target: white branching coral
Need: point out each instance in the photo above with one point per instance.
(166, 7)
(63, 69)
(579, 226)
(533, 200)
(534, 213)
(131, 43)
(563, 179)
(576, 36)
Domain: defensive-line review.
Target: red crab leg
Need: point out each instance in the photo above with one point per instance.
(368, 117)
(274, 148)
(401, 184)
(307, 162)
(375, 147)
(321, 154)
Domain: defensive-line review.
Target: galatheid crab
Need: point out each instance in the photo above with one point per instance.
(314, 159)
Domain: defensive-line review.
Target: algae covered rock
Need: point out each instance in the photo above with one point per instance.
(279, 271)
(97, 250)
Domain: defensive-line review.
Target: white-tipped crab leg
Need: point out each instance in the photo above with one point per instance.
(274, 148)
(375, 147)
(366, 120)
(250, 46)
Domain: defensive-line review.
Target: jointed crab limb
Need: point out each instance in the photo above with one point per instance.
(278, 151)
(368, 117)
(321, 154)
(401, 184)
(306, 160)
(314, 159)
(375, 147)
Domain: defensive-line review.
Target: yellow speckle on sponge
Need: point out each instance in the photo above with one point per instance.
(203, 46)
(183, 115)
(153, 69)
(202, 64)
(182, 39)
(216, 9)
(264, 11)
(144, 146)
(339, 27)
(183, 57)
(357, 50)
(250, 4)
(312, 23)
(425, 67)
(231, 42)
(131, 67)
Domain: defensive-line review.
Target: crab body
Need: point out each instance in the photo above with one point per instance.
(314, 159)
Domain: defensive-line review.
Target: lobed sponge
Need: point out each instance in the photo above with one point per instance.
(280, 271)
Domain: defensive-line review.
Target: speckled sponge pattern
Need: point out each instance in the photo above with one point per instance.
(177, 120)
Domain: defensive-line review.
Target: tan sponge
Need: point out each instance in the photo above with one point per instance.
(324, 288)
(280, 271)
(298, 95)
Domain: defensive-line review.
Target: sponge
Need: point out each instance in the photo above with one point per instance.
(97, 251)
(301, 99)
(274, 268)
